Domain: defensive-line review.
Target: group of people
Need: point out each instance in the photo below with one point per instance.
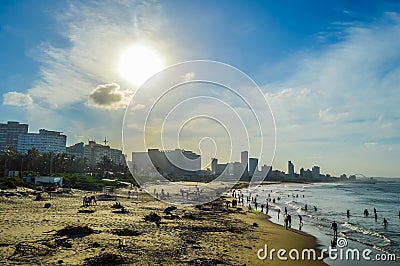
(366, 213)
(163, 195)
(287, 217)
(89, 200)
(288, 221)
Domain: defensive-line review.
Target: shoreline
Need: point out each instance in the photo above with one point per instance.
(212, 235)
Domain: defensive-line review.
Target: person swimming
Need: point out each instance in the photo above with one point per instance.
(385, 222)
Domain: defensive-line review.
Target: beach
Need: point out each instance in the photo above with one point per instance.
(31, 234)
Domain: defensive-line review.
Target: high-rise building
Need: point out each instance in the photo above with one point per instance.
(235, 170)
(244, 159)
(222, 169)
(316, 172)
(176, 163)
(44, 141)
(95, 152)
(76, 150)
(253, 166)
(9, 134)
(214, 164)
(290, 169)
(117, 157)
(142, 165)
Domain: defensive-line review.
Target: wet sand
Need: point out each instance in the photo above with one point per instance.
(33, 235)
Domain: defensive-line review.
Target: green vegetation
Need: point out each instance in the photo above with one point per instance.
(75, 170)
(13, 182)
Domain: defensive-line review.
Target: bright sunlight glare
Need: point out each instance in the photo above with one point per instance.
(138, 63)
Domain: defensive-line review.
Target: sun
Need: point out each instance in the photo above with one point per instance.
(138, 63)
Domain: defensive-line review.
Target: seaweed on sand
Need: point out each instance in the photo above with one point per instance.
(106, 259)
(75, 231)
(125, 232)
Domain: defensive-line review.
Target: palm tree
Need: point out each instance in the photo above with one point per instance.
(105, 164)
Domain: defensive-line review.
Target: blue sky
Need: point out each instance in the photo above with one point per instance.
(329, 69)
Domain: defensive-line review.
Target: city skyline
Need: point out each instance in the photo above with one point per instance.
(329, 70)
(17, 135)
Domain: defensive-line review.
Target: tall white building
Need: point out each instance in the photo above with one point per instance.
(95, 153)
(117, 157)
(44, 141)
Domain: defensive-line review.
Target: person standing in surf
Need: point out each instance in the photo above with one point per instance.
(335, 227)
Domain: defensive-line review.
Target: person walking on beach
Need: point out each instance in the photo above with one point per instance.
(85, 200)
(385, 222)
(286, 222)
(279, 211)
(376, 216)
(334, 226)
(300, 222)
(289, 218)
(129, 194)
(305, 207)
(348, 213)
(285, 210)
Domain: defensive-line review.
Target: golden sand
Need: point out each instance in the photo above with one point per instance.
(33, 235)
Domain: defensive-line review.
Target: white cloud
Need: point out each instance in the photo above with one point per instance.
(109, 96)
(288, 92)
(350, 84)
(330, 116)
(305, 91)
(97, 33)
(189, 76)
(138, 106)
(16, 99)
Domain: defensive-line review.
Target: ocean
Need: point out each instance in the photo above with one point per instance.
(332, 200)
